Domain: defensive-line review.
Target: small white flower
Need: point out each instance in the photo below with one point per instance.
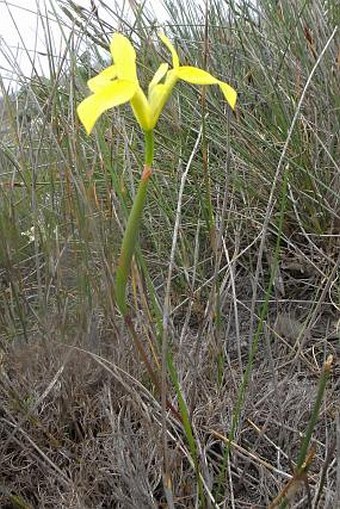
(30, 234)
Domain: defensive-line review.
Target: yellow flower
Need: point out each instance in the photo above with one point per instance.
(118, 84)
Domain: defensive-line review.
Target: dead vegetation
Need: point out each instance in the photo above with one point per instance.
(79, 428)
(253, 312)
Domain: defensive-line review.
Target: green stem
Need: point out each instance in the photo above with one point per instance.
(305, 458)
(326, 370)
(133, 224)
(149, 148)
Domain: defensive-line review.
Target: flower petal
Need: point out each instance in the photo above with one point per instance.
(124, 56)
(159, 74)
(196, 76)
(160, 93)
(157, 100)
(171, 48)
(141, 109)
(115, 93)
(229, 93)
(102, 79)
(201, 77)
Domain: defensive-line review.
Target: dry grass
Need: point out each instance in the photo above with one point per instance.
(78, 429)
(251, 299)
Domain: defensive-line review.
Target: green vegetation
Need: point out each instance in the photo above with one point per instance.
(217, 390)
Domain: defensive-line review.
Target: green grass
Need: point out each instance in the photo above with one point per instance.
(234, 288)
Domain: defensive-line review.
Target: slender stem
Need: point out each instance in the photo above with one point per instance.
(149, 148)
(133, 224)
(326, 371)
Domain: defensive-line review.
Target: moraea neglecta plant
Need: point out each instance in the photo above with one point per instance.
(118, 84)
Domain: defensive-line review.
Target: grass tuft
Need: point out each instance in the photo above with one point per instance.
(234, 288)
